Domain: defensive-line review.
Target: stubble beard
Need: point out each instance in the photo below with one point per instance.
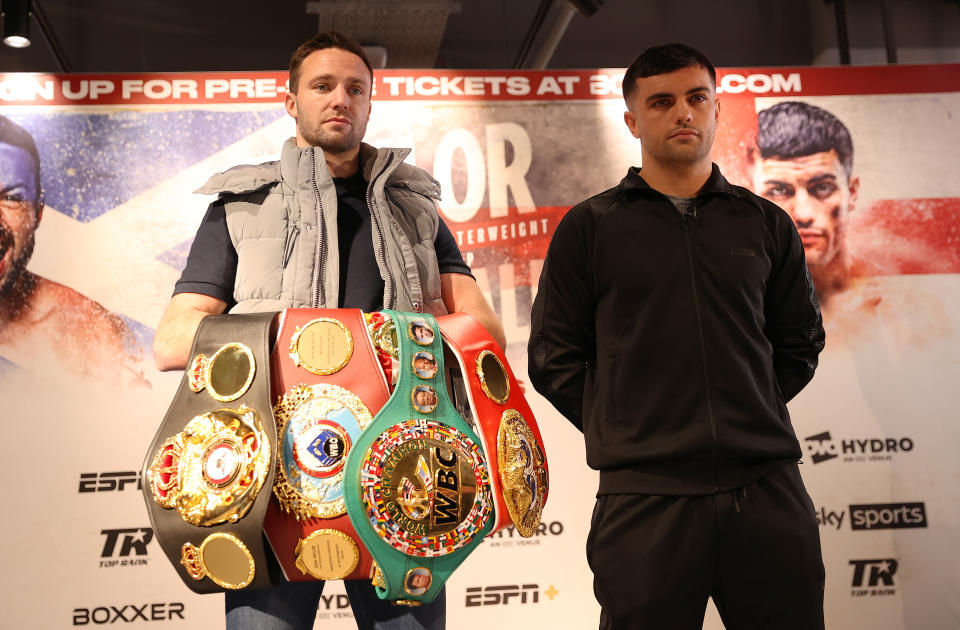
(334, 142)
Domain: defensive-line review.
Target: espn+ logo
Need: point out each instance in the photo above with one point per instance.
(505, 594)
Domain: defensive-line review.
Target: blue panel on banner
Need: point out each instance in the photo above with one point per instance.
(176, 257)
(91, 163)
(142, 333)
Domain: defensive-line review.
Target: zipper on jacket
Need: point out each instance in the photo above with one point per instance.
(685, 227)
(320, 260)
(389, 282)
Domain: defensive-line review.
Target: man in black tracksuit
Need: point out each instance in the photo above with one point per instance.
(674, 320)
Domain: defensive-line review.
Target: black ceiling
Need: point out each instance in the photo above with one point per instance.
(176, 35)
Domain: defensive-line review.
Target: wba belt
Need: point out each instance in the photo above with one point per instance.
(328, 385)
(511, 440)
(417, 484)
(212, 455)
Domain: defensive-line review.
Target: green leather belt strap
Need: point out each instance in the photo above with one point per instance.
(417, 486)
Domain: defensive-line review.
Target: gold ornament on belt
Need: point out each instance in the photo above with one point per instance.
(522, 472)
(212, 471)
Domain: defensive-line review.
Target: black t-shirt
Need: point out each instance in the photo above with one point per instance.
(212, 263)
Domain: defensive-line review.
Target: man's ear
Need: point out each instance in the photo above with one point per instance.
(631, 122)
(40, 206)
(716, 115)
(854, 190)
(290, 104)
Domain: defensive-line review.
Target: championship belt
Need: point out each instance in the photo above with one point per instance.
(328, 385)
(418, 490)
(511, 439)
(212, 456)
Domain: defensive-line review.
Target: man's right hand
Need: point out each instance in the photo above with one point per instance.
(174, 338)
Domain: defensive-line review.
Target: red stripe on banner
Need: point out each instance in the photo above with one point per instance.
(908, 236)
(462, 85)
(516, 237)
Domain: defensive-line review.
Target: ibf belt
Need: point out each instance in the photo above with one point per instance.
(418, 490)
(212, 455)
(511, 439)
(327, 384)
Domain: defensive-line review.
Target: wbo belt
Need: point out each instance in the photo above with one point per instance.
(417, 483)
(509, 433)
(327, 384)
(212, 455)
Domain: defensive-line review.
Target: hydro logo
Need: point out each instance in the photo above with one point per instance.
(127, 614)
(110, 481)
(822, 447)
(503, 595)
(873, 577)
(888, 516)
(124, 547)
(335, 606)
(509, 537)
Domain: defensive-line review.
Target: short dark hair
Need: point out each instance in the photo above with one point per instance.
(330, 39)
(793, 129)
(16, 136)
(661, 60)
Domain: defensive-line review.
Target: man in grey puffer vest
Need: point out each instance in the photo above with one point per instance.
(335, 223)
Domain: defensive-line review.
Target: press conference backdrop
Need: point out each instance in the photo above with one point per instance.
(120, 155)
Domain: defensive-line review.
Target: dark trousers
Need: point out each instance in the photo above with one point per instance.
(755, 550)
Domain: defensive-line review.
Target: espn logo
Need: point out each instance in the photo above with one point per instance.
(502, 595)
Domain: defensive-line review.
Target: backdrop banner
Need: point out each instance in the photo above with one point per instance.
(84, 282)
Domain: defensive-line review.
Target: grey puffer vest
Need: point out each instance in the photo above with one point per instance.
(282, 219)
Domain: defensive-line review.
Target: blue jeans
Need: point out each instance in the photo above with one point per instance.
(293, 606)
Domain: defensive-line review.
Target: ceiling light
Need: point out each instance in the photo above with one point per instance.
(16, 23)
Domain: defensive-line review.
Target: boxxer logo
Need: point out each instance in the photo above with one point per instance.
(127, 614)
(122, 547)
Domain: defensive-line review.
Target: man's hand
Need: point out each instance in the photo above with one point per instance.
(461, 294)
(174, 338)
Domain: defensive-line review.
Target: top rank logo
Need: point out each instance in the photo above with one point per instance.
(822, 447)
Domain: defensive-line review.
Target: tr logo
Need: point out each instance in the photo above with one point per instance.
(876, 572)
(133, 540)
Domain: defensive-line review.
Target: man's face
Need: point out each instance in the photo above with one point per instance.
(675, 116)
(20, 209)
(332, 102)
(815, 191)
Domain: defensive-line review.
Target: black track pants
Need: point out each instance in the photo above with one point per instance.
(755, 550)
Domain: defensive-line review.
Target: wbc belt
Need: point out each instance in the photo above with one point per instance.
(511, 439)
(212, 455)
(327, 384)
(418, 490)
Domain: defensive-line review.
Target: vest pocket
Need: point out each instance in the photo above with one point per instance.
(292, 234)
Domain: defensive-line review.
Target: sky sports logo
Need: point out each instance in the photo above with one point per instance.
(887, 516)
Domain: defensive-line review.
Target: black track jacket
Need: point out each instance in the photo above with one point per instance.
(674, 342)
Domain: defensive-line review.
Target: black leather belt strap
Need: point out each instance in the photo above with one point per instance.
(223, 466)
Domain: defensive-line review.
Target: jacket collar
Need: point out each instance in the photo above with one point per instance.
(716, 183)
